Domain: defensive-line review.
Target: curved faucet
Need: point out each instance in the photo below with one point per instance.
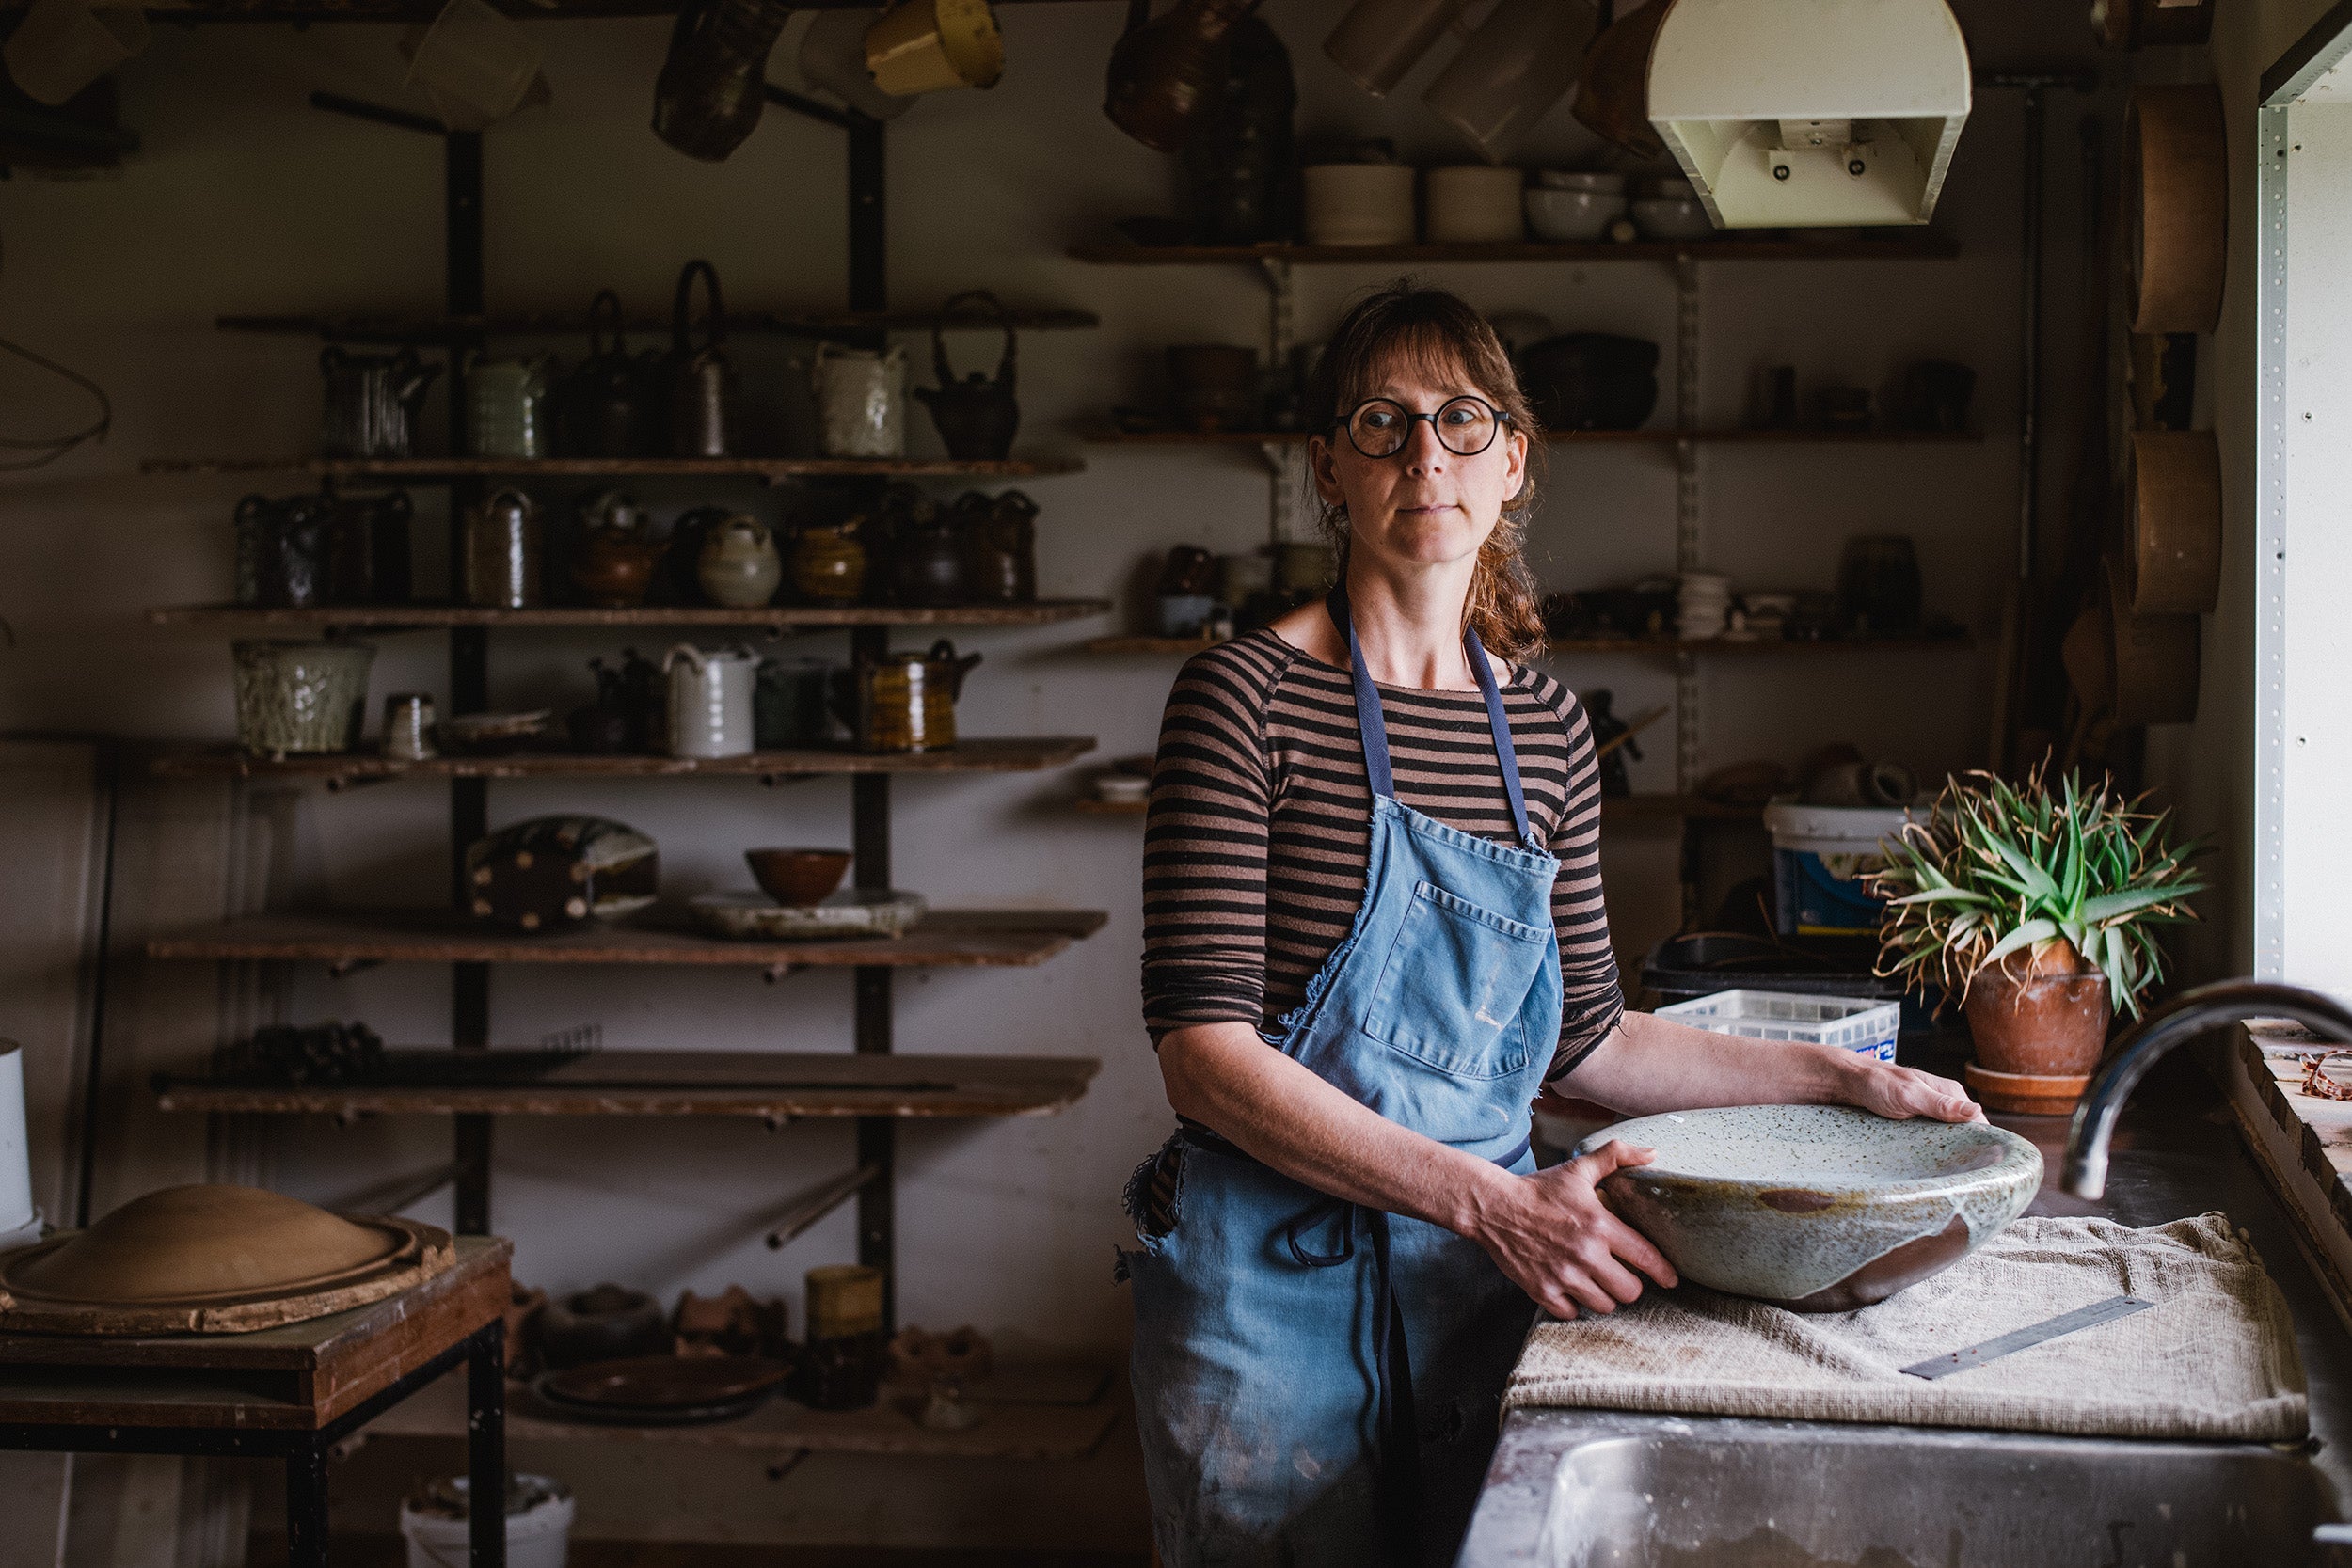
(2190, 1013)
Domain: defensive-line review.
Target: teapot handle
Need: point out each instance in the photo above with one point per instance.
(681, 324)
(684, 652)
(995, 307)
(605, 314)
(520, 499)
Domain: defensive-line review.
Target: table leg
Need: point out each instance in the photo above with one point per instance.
(306, 1506)
(486, 1447)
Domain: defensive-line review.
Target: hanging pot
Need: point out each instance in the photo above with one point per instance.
(372, 400)
(928, 45)
(2137, 23)
(861, 401)
(2176, 207)
(1239, 185)
(1164, 74)
(607, 409)
(1520, 61)
(1379, 41)
(710, 701)
(2174, 566)
(703, 391)
(1612, 93)
(976, 417)
(713, 82)
(2156, 659)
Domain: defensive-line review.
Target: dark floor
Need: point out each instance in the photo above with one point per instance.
(391, 1551)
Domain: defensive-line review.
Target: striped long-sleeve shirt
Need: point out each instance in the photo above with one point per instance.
(1255, 847)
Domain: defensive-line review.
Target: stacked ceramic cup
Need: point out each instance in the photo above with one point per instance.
(1701, 606)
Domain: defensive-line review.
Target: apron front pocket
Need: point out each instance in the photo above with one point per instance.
(1453, 986)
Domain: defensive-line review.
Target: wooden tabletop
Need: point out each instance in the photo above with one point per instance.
(297, 1377)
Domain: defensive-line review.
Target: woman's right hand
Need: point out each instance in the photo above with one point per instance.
(1555, 1239)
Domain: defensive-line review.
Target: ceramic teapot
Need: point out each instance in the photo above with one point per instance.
(927, 558)
(1000, 547)
(828, 563)
(614, 562)
(976, 417)
(372, 400)
(703, 394)
(608, 409)
(905, 701)
(861, 401)
(739, 566)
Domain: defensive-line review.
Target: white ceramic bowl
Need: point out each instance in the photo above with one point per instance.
(1571, 218)
(1575, 180)
(1119, 789)
(1667, 218)
(1474, 204)
(1357, 203)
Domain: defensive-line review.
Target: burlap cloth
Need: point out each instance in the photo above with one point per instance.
(2214, 1358)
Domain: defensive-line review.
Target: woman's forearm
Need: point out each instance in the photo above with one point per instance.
(1225, 1077)
(1650, 1064)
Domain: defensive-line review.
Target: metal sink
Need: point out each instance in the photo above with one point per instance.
(1598, 1489)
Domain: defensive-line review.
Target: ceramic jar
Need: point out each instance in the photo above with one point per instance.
(613, 564)
(788, 704)
(509, 407)
(1475, 204)
(906, 701)
(283, 551)
(408, 727)
(712, 712)
(372, 400)
(1000, 547)
(927, 559)
(504, 545)
(861, 401)
(367, 550)
(1357, 203)
(738, 566)
(295, 697)
(1215, 385)
(704, 394)
(829, 565)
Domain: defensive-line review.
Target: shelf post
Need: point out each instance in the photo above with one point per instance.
(468, 658)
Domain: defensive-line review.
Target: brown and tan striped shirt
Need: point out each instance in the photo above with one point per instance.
(1254, 851)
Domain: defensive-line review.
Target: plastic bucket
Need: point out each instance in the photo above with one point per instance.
(537, 1536)
(1820, 856)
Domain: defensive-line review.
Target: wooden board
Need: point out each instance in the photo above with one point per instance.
(299, 1377)
(942, 938)
(522, 469)
(704, 1083)
(978, 754)
(1909, 244)
(1008, 1430)
(424, 330)
(254, 620)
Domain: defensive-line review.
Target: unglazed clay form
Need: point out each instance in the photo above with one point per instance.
(851, 912)
(1816, 1207)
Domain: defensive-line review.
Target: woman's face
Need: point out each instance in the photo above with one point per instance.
(1425, 505)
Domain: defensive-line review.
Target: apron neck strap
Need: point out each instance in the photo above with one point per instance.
(1373, 727)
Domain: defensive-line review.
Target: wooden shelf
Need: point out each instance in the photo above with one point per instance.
(944, 938)
(1089, 805)
(696, 1084)
(184, 12)
(1008, 754)
(1760, 645)
(257, 621)
(1032, 1413)
(814, 323)
(422, 468)
(1147, 645)
(1573, 437)
(1907, 245)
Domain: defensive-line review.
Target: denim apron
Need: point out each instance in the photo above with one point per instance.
(1317, 1381)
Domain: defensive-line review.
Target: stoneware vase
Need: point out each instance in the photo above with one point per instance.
(2039, 1026)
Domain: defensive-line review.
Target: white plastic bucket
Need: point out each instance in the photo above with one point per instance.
(538, 1537)
(1820, 856)
(16, 1169)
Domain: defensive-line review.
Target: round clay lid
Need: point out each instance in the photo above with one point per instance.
(204, 1242)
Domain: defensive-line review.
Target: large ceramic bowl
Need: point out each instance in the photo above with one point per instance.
(1816, 1207)
(1570, 217)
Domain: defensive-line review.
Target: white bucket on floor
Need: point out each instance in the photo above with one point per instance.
(16, 1168)
(540, 1536)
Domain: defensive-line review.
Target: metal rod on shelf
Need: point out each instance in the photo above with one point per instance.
(821, 1200)
(359, 108)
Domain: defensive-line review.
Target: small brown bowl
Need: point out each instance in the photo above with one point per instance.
(798, 877)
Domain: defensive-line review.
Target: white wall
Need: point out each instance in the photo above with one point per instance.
(244, 200)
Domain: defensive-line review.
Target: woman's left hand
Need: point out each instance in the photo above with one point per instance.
(1901, 1093)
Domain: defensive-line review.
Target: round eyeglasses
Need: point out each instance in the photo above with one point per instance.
(1465, 426)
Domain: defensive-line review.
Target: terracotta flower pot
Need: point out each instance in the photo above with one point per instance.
(2039, 1025)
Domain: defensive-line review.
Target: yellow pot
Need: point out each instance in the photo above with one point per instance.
(928, 45)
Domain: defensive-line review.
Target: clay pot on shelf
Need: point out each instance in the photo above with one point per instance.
(738, 566)
(976, 416)
(617, 554)
(603, 1324)
(2039, 1023)
(829, 565)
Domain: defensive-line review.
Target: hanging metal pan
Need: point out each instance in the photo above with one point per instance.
(2155, 659)
(2172, 563)
(2176, 188)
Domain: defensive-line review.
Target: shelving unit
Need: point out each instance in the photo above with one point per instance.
(868, 1085)
(1684, 436)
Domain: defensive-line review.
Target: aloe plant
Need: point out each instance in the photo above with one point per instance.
(2000, 868)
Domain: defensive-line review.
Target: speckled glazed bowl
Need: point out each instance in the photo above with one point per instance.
(1816, 1207)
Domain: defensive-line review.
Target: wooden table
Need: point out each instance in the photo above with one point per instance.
(286, 1393)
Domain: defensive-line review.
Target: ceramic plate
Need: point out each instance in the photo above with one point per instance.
(749, 916)
(1816, 1207)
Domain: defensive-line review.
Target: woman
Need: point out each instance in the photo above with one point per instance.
(1373, 848)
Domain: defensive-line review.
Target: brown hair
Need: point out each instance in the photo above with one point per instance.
(1438, 335)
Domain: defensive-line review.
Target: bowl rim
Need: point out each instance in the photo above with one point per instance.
(2019, 1156)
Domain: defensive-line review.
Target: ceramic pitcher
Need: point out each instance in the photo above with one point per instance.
(861, 401)
(710, 701)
